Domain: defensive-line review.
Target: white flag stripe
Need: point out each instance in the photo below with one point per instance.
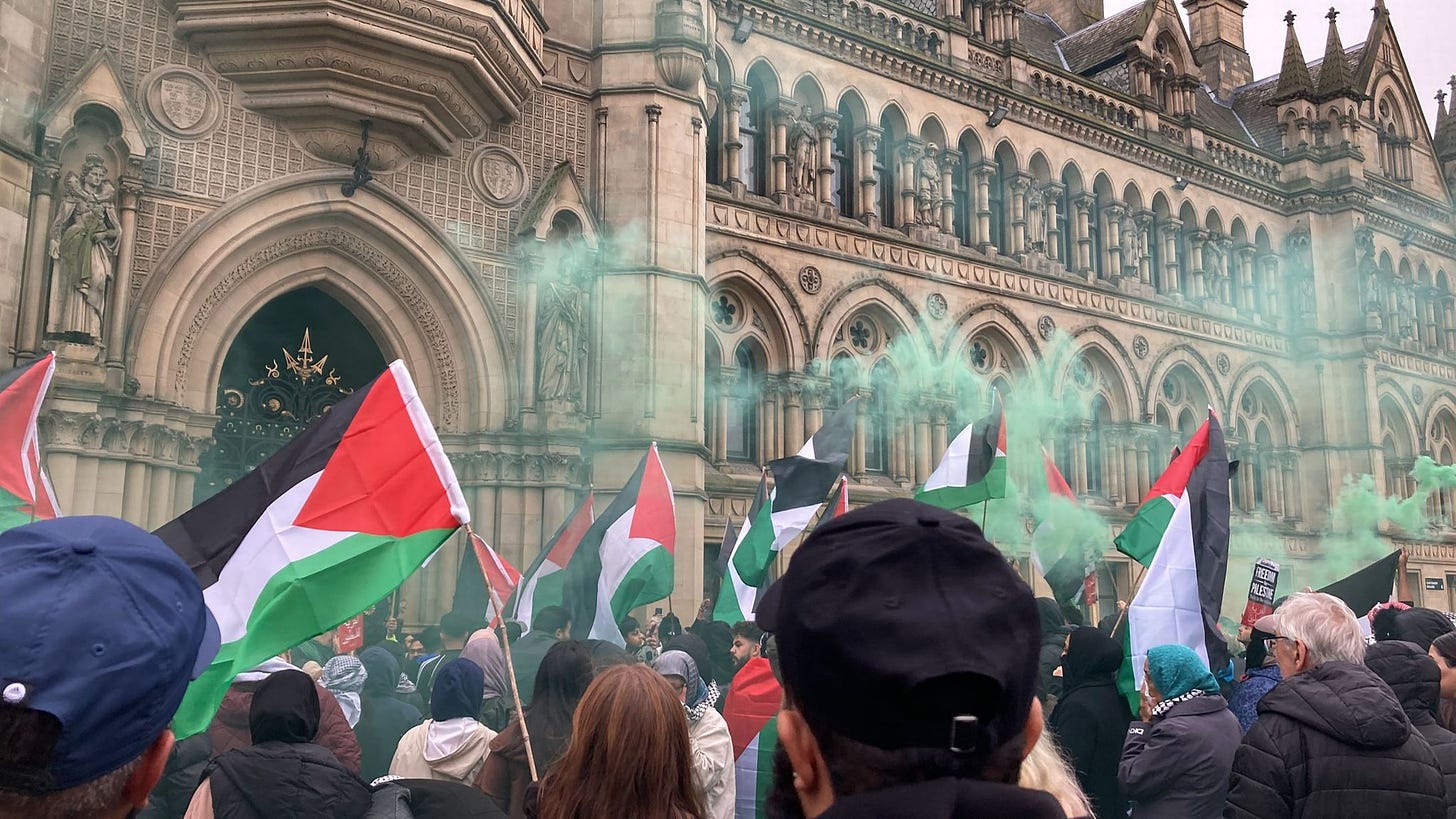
(1167, 608)
(953, 466)
(425, 429)
(270, 546)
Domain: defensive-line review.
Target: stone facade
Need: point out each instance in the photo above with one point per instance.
(728, 200)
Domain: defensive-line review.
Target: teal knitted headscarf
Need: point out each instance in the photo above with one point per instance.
(1176, 670)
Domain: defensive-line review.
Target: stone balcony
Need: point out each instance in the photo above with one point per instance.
(426, 73)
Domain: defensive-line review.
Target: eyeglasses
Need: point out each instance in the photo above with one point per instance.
(1270, 642)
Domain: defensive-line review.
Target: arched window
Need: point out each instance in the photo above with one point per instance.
(886, 177)
(1101, 416)
(753, 134)
(1094, 233)
(713, 381)
(879, 433)
(1264, 468)
(1000, 232)
(846, 172)
(742, 420)
(713, 151)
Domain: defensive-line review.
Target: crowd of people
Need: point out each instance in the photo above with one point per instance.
(911, 671)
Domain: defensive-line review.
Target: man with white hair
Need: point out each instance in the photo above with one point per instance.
(1331, 739)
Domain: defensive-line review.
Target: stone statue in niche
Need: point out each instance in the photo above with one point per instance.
(927, 187)
(561, 335)
(804, 142)
(83, 243)
(1036, 226)
(1132, 238)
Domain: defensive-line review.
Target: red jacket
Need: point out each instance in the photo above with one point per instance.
(229, 729)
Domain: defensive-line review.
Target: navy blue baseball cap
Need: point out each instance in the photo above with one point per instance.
(103, 628)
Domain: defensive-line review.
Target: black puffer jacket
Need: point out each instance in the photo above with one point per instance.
(1416, 680)
(279, 780)
(1333, 742)
(1177, 766)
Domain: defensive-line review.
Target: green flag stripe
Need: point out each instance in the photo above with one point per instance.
(12, 512)
(305, 598)
(649, 579)
(746, 568)
(959, 497)
(1140, 539)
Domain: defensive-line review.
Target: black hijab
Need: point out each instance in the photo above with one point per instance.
(459, 688)
(1092, 658)
(285, 709)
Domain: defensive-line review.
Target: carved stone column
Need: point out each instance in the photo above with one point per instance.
(924, 455)
(869, 146)
(793, 413)
(1428, 308)
(939, 415)
(733, 102)
(1247, 301)
(1079, 459)
(827, 126)
(1145, 238)
(769, 417)
(1290, 463)
(1052, 201)
(1268, 300)
(32, 290)
(983, 207)
(949, 163)
(909, 153)
(1084, 205)
(1113, 214)
(1172, 272)
(119, 294)
(1144, 453)
(784, 113)
(1018, 186)
(1196, 238)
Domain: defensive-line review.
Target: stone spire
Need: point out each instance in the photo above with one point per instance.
(1445, 127)
(1335, 79)
(1294, 73)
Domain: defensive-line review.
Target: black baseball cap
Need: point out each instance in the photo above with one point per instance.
(897, 622)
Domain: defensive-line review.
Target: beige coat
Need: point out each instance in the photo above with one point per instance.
(451, 751)
(713, 764)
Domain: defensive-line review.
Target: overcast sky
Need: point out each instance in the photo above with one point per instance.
(1426, 30)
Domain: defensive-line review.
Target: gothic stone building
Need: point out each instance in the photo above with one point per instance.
(586, 225)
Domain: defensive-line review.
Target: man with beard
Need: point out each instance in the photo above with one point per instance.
(908, 648)
(746, 638)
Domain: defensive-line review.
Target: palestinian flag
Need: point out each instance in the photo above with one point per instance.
(540, 585)
(331, 523)
(730, 534)
(1181, 534)
(25, 492)
(478, 564)
(1063, 564)
(801, 483)
(751, 711)
(1368, 587)
(625, 559)
(841, 500)
(973, 469)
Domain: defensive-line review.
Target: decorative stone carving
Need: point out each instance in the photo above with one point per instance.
(83, 243)
(803, 141)
(810, 280)
(498, 176)
(927, 187)
(936, 305)
(430, 73)
(1140, 346)
(1036, 224)
(1417, 394)
(1223, 363)
(561, 332)
(180, 101)
(1045, 327)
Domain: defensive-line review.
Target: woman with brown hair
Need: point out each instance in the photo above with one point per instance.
(629, 753)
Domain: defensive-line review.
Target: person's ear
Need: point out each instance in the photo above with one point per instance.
(147, 774)
(1034, 726)
(811, 774)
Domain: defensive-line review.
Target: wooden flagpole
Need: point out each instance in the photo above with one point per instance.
(500, 609)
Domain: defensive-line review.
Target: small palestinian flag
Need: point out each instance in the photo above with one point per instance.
(1063, 564)
(25, 492)
(1181, 534)
(478, 562)
(331, 523)
(625, 559)
(841, 500)
(801, 483)
(540, 584)
(973, 469)
(751, 711)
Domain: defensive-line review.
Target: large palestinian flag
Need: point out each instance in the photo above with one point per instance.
(540, 584)
(331, 523)
(625, 559)
(751, 711)
(25, 492)
(1181, 534)
(801, 484)
(1062, 562)
(973, 469)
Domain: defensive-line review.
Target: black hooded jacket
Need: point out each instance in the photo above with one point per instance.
(284, 775)
(947, 799)
(383, 717)
(1091, 718)
(1054, 633)
(1333, 742)
(1416, 680)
